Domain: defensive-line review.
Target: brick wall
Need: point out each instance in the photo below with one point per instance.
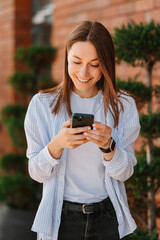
(111, 13)
(15, 18)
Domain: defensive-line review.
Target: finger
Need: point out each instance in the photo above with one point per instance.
(102, 144)
(67, 124)
(78, 143)
(99, 125)
(97, 137)
(80, 129)
(98, 133)
(77, 137)
(97, 142)
(75, 146)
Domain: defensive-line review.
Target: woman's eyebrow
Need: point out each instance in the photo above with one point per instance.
(81, 59)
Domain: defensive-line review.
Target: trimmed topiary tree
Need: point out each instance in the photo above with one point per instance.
(139, 45)
(17, 189)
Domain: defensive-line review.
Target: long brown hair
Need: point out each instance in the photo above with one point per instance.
(99, 36)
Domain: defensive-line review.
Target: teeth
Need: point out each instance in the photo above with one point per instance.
(83, 80)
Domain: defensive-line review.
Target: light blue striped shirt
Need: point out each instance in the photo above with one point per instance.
(40, 127)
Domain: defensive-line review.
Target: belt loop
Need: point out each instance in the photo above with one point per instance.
(65, 209)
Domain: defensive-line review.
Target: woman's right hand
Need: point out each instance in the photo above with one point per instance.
(67, 138)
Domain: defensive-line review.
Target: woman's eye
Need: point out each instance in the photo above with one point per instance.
(95, 65)
(91, 64)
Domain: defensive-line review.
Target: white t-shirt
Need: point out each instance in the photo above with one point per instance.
(84, 168)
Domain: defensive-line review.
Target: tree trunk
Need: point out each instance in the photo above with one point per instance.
(151, 216)
(151, 210)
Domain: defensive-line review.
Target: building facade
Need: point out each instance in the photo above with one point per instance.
(111, 13)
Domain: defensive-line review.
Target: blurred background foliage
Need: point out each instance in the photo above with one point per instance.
(139, 45)
(17, 189)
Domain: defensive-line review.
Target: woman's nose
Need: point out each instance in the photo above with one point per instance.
(84, 70)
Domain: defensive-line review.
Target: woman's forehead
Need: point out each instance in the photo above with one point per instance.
(82, 50)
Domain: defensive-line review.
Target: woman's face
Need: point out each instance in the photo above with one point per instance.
(84, 69)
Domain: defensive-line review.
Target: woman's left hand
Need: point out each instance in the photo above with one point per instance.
(100, 135)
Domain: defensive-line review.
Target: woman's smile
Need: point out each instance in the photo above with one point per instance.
(83, 80)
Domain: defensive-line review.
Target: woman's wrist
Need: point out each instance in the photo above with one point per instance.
(109, 156)
(54, 148)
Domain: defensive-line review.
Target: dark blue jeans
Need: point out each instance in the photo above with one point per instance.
(94, 226)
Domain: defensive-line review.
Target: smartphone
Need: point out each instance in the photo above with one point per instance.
(82, 120)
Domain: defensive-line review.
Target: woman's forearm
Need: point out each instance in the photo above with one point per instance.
(54, 148)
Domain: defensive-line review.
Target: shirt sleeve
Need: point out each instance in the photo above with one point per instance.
(42, 165)
(122, 164)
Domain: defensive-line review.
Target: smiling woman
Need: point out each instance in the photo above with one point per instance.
(83, 169)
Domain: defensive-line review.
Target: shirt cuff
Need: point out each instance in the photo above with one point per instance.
(48, 162)
(114, 160)
(52, 160)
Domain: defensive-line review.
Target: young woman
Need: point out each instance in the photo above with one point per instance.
(83, 174)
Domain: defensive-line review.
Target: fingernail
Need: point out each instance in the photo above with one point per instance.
(87, 138)
(93, 124)
(89, 128)
(85, 133)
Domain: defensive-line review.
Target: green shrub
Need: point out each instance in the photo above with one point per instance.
(37, 57)
(16, 187)
(19, 191)
(143, 170)
(13, 119)
(9, 111)
(150, 125)
(23, 83)
(137, 43)
(142, 234)
(139, 89)
(14, 163)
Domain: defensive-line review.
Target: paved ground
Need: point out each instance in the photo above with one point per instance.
(15, 224)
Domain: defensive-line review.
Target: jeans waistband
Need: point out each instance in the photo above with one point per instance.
(88, 208)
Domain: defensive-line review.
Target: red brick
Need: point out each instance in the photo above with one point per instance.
(155, 14)
(138, 5)
(23, 6)
(108, 12)
(6, 4)
(68, 3)
(143, 5)
(157, 3)
(118, 1)
(126, 8)
(118, 21)
(102, 3)
(5, 142)
(73, 10)
(156, 71)
(137, 17)
(8, 13)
